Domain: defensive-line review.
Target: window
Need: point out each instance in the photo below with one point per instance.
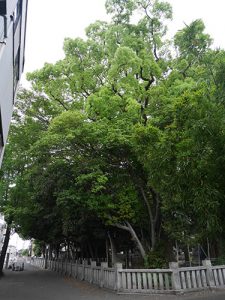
(17, 13)
(2, 7)
(16, 68)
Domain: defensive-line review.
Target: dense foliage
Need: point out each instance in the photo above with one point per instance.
(123, 138)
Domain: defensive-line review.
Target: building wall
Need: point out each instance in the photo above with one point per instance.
(12, 251)
(2, 231)
(12, 45)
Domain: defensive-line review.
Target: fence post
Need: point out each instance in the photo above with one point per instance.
(93, 264)
(209, 273)
(176, 284)
(118, 267)
(102, 280)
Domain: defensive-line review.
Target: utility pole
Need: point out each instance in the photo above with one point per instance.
(4, 248)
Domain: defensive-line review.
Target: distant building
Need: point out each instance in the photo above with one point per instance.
(13, 16)
(12, 251)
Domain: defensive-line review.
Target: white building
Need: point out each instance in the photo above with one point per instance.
(13, 16)
(2, 231)
(12, 251)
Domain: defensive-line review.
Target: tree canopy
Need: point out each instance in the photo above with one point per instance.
(122, 137)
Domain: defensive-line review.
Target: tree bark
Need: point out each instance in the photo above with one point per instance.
(4, 248)
(107, 250)
(134, 236)
(90, 249)
(115, 258)
(136, 239)
(152, 200)
(153, 213)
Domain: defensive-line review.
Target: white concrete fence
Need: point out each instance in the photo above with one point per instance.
(148, 281)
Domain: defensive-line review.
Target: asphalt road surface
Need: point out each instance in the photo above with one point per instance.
(36, 284)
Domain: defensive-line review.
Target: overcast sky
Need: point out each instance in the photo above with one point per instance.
(50, 21)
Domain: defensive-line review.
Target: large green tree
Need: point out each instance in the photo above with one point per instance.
(124, 133)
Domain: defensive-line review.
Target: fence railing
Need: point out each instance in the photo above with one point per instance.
(149, 281)
(145, 280)
(99, 275)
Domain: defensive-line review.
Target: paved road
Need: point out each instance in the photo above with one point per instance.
(36, 284)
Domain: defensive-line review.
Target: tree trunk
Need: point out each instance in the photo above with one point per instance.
(90, 250)
(4, 248)
(115, 258)
(134, 236)
(107, 250)
(57, 251)
(153, 236)
(50, 251)
(153, 213)
(136, 239)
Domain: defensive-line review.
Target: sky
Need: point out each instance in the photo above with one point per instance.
(50, 21)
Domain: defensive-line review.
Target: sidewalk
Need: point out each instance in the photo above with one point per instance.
(36, 284)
